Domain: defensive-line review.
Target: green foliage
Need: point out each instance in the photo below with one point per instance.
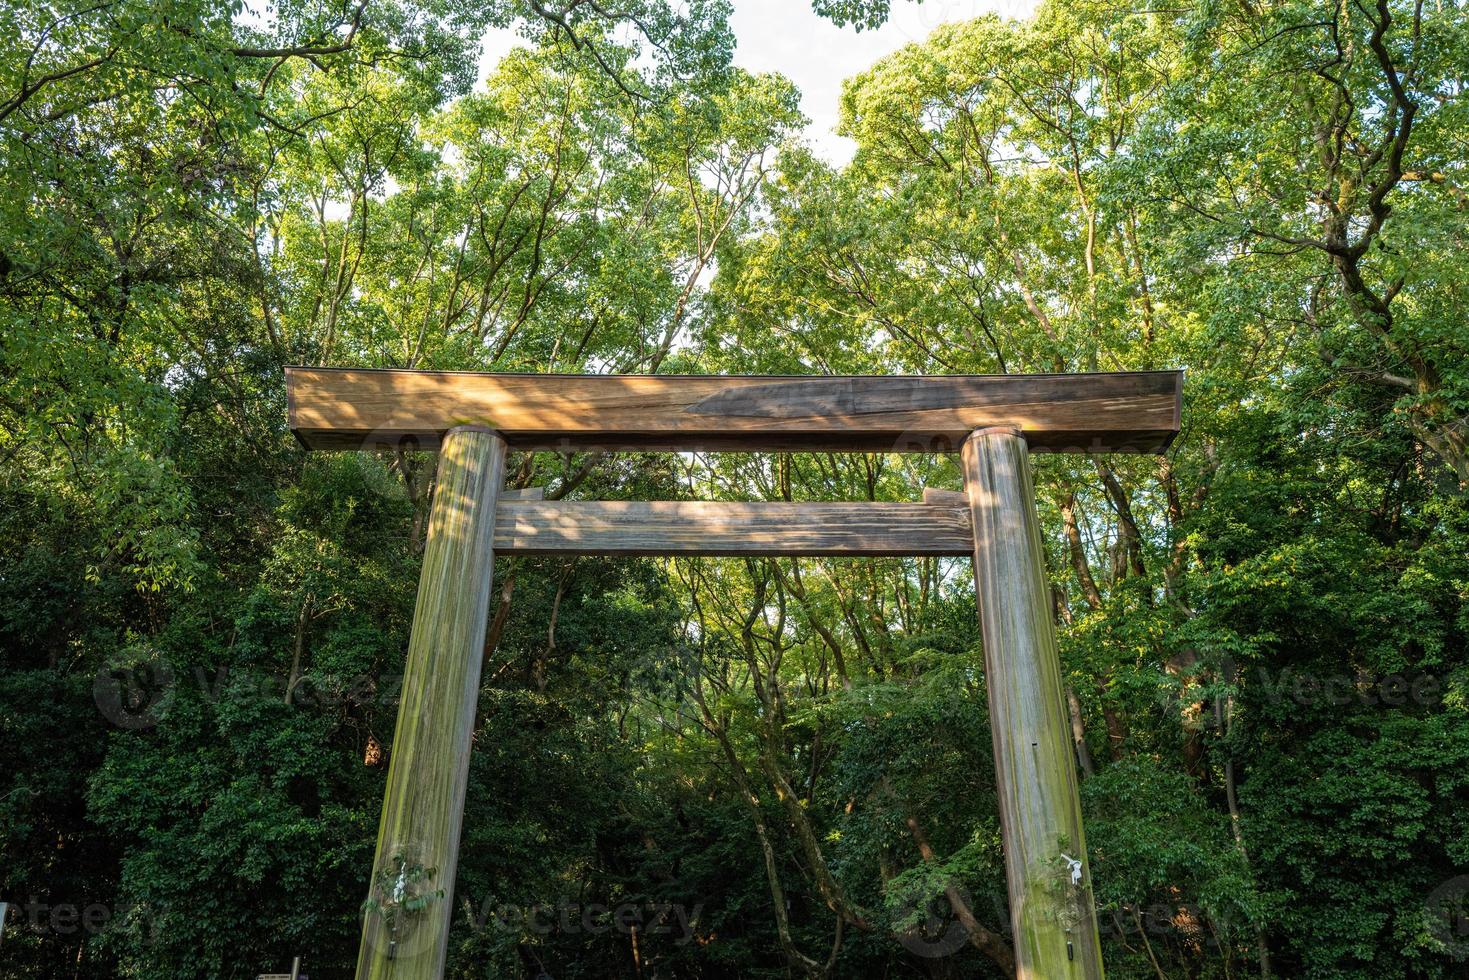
(1166, 883)
(787, 764)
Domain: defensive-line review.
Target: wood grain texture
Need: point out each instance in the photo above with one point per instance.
(337, 408)
(423, 804)
(716, 528)
(1035, 768)
(948, 498)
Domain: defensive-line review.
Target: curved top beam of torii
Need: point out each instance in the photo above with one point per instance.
(350, 408)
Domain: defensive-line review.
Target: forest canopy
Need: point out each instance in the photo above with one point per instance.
(783, 763)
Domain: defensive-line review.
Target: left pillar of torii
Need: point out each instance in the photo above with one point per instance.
(406, 931)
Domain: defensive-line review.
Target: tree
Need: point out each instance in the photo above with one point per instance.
(784, 763)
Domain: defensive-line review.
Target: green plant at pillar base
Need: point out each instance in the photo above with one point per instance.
(1069, 897)
(401, 892)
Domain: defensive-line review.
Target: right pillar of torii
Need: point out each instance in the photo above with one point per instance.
(1051, 908)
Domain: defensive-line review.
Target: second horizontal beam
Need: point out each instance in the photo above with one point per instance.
(720, 528)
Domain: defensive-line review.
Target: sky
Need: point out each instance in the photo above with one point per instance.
(785, 36)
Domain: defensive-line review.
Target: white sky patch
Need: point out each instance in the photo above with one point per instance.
(497, 44)
(785, 36)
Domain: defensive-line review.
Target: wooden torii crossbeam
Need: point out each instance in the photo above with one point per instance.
(993, 422)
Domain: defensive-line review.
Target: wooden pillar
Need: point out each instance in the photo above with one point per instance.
(1051, 908)
(405, 930)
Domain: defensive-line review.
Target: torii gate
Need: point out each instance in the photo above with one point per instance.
(474, 419)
